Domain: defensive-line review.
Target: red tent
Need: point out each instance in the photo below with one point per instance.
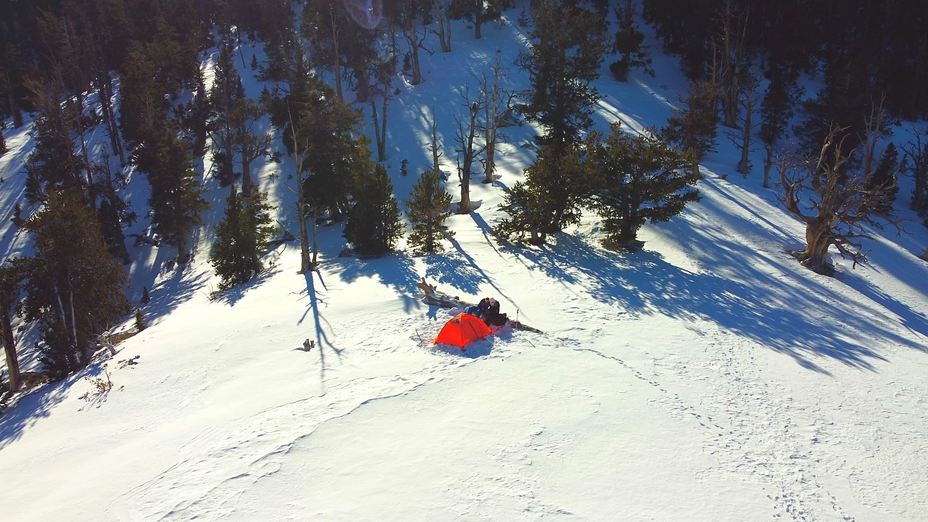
(462, 330)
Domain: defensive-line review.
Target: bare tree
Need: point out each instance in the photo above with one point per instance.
(491, 99)
(306, 264)
(415, 39)
(840, 202)
(466, 132)
(444, 26)
(435, 146)
(742, 137)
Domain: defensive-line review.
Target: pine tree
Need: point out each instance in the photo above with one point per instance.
(693, 129)
(428, 208)
(628, 42)
(566, 51)
(374, 224)
(882, 182)
(776, 110)
(637, 180)
(334, 151)
(176, 196)
(2, 140)
(224, 98)
(548, 200)
(142, 106)
(241, 238)
(146, 297)
(73, 286)
(53, 165)
(140, 323)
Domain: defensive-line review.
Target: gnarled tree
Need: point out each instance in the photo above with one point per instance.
(840, 204)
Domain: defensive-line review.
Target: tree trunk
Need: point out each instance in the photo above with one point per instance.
(247, 183)
(744, 166)
(9, 347)
(338, 69)
(478, 19)
(300, 195)
(315, 229)
(818, 240)
(382, 150)
(413, 41)
(464, 207)
(768, 163)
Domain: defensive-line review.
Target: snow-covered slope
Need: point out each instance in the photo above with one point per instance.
(707, 377)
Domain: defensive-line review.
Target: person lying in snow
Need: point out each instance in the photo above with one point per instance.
(488, 311)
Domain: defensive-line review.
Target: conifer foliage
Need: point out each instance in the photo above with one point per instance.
(176, 194)
(567, 48)
(73, 287)
(374, 224)
(241, 238)
(428, 208)
(637, 179)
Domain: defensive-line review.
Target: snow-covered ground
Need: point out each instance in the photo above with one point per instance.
(706, 377)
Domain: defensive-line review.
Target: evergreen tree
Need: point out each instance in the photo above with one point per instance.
(374, 220)
(636, 180)
(146, 297)
(2, 140)
(53, 164)
(74, 288)
(334, 151)
(176, 198)
(224, 98)
(549, 198)
(241, 238)
(140, 323)
(693, 129)
(566, 51)
(563, 61)
(143, 110)
(882, 182)
(776, 110)
(628, 42)
(428, 208)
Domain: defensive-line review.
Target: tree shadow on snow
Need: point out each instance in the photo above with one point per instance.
(395, 270)
(794, 316)
(321, 326)
(30, 408)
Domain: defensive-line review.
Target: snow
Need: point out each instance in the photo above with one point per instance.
(707, 377)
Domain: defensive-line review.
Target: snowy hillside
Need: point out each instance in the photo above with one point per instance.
(706, 377)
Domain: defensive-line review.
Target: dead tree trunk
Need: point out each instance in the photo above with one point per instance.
(768, 164)
(415, 43)
(435, 145)
(492, 114)
(444, 27)
(478, 17)
(465, 136)
(305, 264)
(380, 128)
